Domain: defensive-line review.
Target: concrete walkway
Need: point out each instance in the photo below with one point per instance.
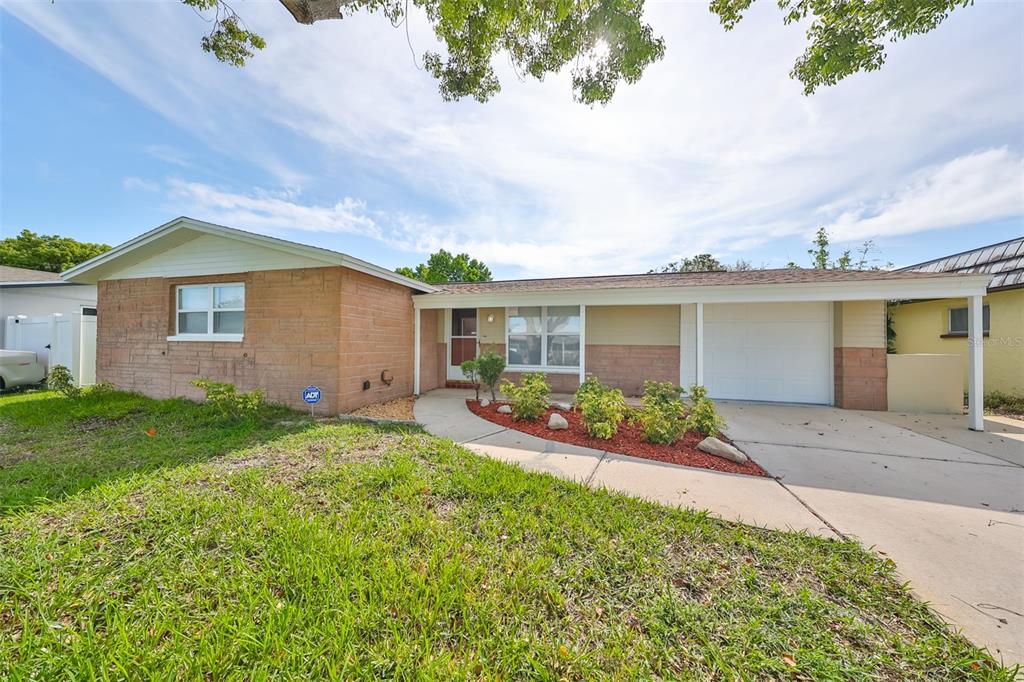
(443, 413)
(944, 503)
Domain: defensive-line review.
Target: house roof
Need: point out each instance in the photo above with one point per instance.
(681, 279)
(12, 276)
(182, 230)
(1004, 261)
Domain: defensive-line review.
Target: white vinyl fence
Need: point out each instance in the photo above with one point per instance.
(57, 339)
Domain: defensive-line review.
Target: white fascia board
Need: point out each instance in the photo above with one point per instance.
(939, 287)
(328, 257)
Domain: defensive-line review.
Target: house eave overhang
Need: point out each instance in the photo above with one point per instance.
(864, 290)
(183, 229)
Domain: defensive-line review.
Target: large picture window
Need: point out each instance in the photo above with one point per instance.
(543, 336)
(215, 311)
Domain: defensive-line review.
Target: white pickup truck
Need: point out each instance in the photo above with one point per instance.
(19, 368)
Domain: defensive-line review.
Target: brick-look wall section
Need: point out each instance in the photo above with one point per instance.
(292, 331)
(626, 367)
(331, 326)
(432, 354)
(619, 366)
(376, 335)
(860, 378)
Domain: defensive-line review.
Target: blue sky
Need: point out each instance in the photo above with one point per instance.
(114, 121)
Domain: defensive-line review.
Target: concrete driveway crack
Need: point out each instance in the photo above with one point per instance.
(594, 470)
(1001, 463)
(486, 435)
(811, 509)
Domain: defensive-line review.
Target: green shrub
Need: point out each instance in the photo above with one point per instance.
(1004, 402)
(663, 415)
(226, 401)
(471, 372)
(489, 366)
(703, 416)
(529, 398)
(102, 388)
(602, 408)
(60, 379)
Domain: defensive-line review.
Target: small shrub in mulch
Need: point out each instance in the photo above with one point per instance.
(628, 440)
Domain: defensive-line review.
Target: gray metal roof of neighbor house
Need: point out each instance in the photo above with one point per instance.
(1005, 261)
(683, 279)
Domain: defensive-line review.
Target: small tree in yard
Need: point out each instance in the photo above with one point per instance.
(489, 367)
(471, 371)
(60, 379)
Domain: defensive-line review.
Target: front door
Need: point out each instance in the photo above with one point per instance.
(462, 340)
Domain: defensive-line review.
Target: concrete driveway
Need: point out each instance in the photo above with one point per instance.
(946, 504)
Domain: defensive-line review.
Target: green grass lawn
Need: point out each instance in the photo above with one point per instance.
(281, 547)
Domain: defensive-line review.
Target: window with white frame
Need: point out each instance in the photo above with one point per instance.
(210, 310)
(543, 336)
(958, 320)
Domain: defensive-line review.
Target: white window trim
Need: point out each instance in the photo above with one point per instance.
(210, 335)
(949, 320)
(543, 367)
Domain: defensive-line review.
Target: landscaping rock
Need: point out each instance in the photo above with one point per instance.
(713, 446)
(564, 407)
(505, 409)
(557, 422)
(484, 402)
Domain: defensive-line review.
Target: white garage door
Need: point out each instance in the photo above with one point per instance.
(768, 351)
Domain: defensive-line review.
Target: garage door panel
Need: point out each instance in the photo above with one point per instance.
(773, 352)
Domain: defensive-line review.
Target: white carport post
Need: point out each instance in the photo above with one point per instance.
(583, 343)
(416, 352)
(698, 352)
(975, 369)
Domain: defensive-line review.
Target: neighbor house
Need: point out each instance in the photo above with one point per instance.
(192, 299)
(36, 293)
(940, 325)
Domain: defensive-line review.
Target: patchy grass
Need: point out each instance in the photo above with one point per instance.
(287, 548)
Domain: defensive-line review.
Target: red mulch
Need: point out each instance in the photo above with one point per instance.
(628, 441)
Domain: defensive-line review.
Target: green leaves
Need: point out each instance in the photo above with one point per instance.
(229, 40)
(51, 253)
(529, 398)
(602, 408)
(231, 43)
(443, 267)
(846, 36)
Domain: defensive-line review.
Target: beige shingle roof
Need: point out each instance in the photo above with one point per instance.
(10, 273)
(684, 279)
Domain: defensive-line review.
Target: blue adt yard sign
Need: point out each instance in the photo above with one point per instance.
(311, 396)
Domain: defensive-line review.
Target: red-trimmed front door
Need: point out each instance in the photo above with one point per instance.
(462, 340)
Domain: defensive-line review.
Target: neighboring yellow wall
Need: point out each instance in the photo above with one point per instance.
(925, 383)
(633, 325)
(858, 324)
(919, 328)
(490, 332)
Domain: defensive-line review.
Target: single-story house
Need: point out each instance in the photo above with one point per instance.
(192, 299)
(940, 325)
(35, 293)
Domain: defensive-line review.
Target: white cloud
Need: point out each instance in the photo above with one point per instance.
(132, 183)
(272, 212)
(978, 187)
(714, 149)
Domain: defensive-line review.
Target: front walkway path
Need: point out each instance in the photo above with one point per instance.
(749, 499)
(944, 503)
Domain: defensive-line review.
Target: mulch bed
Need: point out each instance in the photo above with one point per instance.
(628, 441)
